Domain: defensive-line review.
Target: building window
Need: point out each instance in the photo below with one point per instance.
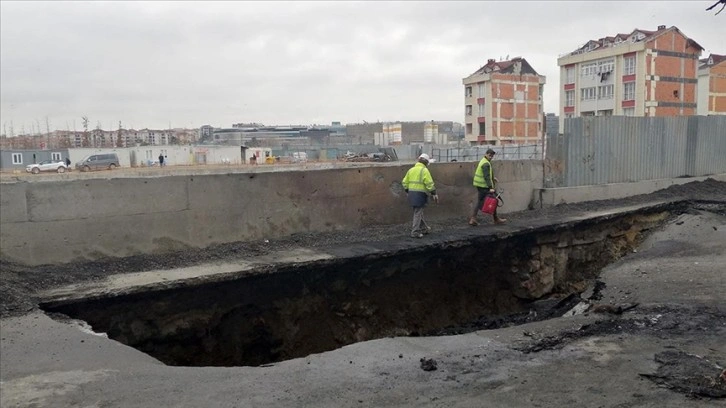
(468, 128)
(629, 111)
(629, 91)
(55, 156)
(569, 115)
(605, 92)
(606, 66)
(588, 94)
(468, 91)
(468, 110)
(588, 113)
(607, 112)
(482, 129)
(569, 98)
(481, 109)
(589, 69)
(570, 75)
(481, 90)
(17, 158)
(629, 65)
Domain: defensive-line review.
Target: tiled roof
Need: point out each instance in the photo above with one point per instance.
(715, 59)
(593, 45)
(505, 67)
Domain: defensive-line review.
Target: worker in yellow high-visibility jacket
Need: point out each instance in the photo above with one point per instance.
(484, 181)
(418, 184)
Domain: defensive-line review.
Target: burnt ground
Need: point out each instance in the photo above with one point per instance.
(19, 283)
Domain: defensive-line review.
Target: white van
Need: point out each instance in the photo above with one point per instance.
(98, 162)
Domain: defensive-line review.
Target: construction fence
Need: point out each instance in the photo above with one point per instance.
(618, 149)
(475, 153)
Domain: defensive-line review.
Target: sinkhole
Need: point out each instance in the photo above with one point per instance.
(443, 286)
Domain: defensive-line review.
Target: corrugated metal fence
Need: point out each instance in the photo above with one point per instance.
(618, 149)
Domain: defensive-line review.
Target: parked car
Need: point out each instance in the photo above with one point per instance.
(98, 161)
(47, 165)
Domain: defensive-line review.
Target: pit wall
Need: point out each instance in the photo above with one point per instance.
(49, 222)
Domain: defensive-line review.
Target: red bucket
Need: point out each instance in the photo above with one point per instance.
(490, 205)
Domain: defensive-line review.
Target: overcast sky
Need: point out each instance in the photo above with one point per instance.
(185, 64)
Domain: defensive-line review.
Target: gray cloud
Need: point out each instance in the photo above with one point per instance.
(149, 64)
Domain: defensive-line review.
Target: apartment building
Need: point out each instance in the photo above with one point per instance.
(503, 103)
(644, 73)
(712, 85)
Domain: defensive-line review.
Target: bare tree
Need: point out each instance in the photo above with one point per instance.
(721, 2)
(119, 141)
(47, 132)
(86, 141)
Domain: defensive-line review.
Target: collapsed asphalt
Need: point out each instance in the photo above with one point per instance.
(665, 351)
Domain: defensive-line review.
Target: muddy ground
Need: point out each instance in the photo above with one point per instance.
(19, 283)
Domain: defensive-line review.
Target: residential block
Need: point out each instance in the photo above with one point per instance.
(643, 73)
(712, 85)
(503, 103)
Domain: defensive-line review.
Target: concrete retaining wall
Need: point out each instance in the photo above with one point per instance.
(90, 218)
(553, 196)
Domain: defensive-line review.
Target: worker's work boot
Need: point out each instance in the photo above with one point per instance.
(498, 220)
(472, 221)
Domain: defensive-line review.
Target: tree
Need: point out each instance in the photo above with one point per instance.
(119, 141)
(86, 141)
(721, 2)
(47, 132)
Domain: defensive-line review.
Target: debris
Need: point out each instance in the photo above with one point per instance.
(579, 309)
(612, 309)
(689, 374)
(428, 364)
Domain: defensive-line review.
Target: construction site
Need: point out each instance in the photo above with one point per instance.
(296, 286)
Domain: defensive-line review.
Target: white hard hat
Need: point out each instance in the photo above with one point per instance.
(424, 156)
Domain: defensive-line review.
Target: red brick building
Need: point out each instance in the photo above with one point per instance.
(644, 73)
(503, 103)
(712, 85)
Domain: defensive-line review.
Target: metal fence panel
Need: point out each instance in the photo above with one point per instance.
(475, 153)
(618, 149)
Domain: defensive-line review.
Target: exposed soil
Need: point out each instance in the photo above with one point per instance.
(20, 282)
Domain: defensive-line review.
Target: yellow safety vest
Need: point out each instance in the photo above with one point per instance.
(479, 174)
(418, 178)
